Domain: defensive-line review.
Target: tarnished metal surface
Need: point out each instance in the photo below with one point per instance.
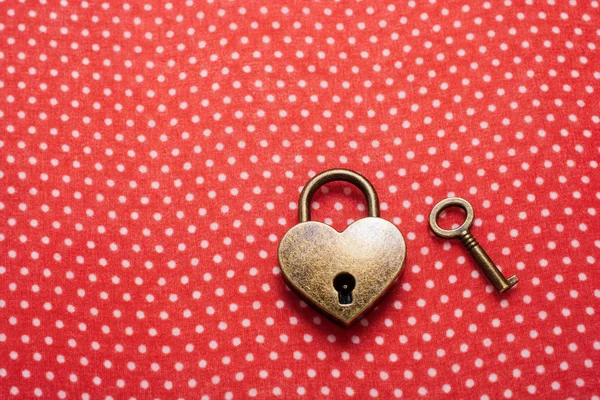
(371, 250)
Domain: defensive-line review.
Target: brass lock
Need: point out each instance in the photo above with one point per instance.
(342, 274)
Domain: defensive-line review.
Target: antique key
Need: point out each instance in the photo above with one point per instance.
(342, 274)
(483, 260)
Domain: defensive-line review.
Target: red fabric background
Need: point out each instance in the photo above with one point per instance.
(152, 156)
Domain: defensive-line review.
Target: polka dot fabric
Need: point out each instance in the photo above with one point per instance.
(151, 158)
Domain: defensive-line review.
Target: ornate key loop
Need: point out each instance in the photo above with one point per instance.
(451, 233)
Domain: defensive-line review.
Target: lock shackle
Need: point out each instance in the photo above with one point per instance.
(337, 175)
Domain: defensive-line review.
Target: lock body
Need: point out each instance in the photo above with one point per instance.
(343, 274)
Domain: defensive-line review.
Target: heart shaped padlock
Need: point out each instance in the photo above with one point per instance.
(342, 274)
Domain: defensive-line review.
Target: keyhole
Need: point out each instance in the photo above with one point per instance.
(344, 283)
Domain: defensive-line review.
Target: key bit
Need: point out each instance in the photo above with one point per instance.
(500, 282)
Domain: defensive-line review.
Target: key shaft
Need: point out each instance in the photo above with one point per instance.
(485, 263)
